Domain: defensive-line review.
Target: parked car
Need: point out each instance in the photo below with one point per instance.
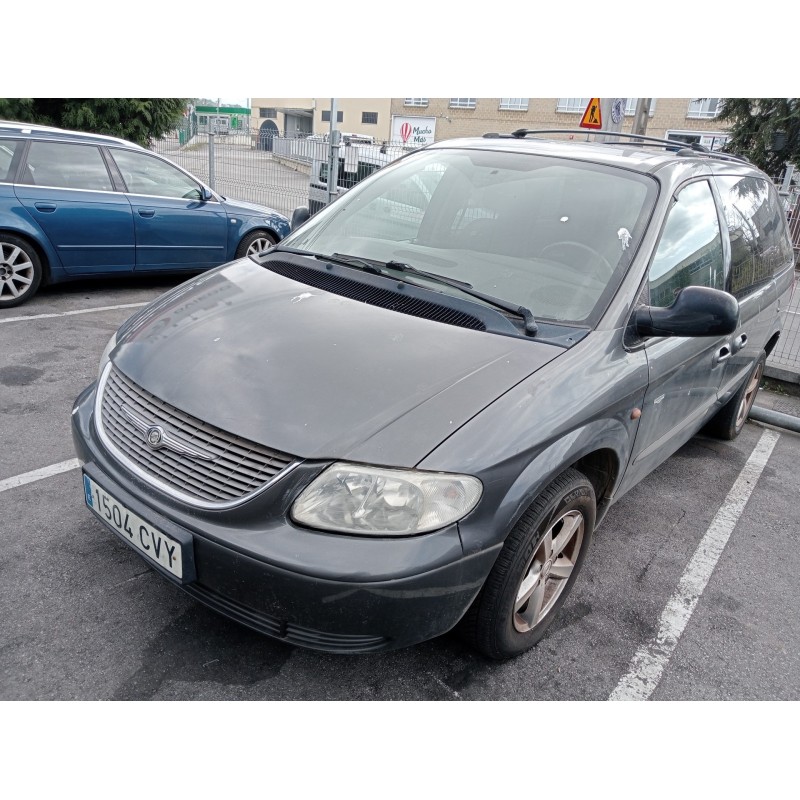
(398, 429)
(359, 157)
(77, 205)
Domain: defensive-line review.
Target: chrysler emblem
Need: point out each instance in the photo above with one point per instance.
(155, 436)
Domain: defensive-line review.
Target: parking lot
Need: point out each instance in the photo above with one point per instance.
(688, 593)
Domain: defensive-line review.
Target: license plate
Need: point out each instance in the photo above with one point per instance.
(148, 540)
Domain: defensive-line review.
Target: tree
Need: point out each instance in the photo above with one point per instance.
(766, 130)
(135, 119)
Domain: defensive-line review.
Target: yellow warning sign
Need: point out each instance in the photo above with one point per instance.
(591, 117)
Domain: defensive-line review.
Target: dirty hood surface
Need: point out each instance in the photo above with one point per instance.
(313, 374)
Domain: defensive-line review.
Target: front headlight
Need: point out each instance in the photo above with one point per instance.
(112, 343)
(373, 501)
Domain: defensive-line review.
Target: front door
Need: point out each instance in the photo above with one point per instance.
(684, 373)
(175, 227)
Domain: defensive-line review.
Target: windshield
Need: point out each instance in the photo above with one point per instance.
(550, 234)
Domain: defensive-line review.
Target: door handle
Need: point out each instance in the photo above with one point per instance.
(738, 343)
(723, 354)
(46, 207)
(147, 212)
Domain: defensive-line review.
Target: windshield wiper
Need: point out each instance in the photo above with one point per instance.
(531, 328)
(375, 267)
(367, 264)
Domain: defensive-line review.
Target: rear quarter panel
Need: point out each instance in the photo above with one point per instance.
(14, 218)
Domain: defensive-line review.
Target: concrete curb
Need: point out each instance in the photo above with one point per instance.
(786, 375)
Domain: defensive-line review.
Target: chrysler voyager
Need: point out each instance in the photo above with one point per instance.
(411, 414)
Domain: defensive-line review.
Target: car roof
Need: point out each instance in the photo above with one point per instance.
(32, 130)
(641, 157)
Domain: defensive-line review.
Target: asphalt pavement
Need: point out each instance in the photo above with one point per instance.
(84, 618)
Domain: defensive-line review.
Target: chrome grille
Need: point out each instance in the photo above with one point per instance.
(237, 467)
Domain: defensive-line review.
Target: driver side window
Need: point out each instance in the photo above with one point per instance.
(690, 250)
(144, 174)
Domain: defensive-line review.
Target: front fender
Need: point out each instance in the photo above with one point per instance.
(580, 403)
(246, 225)
(493, 520)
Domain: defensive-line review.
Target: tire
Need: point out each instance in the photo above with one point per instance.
(255, 243)
(20, 270)
(730, 419)
(536, 564)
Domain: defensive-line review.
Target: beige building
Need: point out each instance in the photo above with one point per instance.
(434, 119)
(685, 118)
(306, 115)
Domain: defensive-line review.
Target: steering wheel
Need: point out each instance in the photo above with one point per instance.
(598, 257)
(192, 194)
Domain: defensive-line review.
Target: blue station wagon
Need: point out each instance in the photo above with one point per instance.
(78, 205)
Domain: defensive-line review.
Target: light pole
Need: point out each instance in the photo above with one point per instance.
(333, 155)
(642, 115)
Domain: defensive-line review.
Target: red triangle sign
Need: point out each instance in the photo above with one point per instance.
(591, 117)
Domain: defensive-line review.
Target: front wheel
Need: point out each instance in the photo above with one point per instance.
(255, 243)
(535, 570)
(20, 271)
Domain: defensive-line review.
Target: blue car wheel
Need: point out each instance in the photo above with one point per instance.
(20, 270)
(255, 243)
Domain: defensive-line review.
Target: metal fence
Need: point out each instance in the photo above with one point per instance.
(791, 203)
(272, 170)
(275, 171)
(234, 165)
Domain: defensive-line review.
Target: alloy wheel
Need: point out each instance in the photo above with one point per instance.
(749, 396)
(16, 271)
(549, 571)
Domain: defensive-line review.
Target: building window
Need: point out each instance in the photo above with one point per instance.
(711, 140)
(630, 106)
(572, 105)
(326, 116)
(463, 102)
(369, 117)
(704, 108)
(268, 113)
(416, 101)
(513, 103)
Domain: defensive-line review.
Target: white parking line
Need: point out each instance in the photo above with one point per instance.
(38, 474)
(648, 664)
(73, 313)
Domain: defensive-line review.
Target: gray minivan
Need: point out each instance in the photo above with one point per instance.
(412, 413)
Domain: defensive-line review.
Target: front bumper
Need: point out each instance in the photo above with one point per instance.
(319, 590)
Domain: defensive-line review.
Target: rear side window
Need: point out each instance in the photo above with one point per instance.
(690, 250)
(66, 166)
(760, 245)
(7, 149)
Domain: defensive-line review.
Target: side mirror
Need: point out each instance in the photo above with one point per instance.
(697, 311)
(206, 194)
(300, 215)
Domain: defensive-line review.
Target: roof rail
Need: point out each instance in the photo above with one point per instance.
(681, 148)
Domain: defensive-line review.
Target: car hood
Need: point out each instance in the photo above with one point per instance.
(314, 374)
